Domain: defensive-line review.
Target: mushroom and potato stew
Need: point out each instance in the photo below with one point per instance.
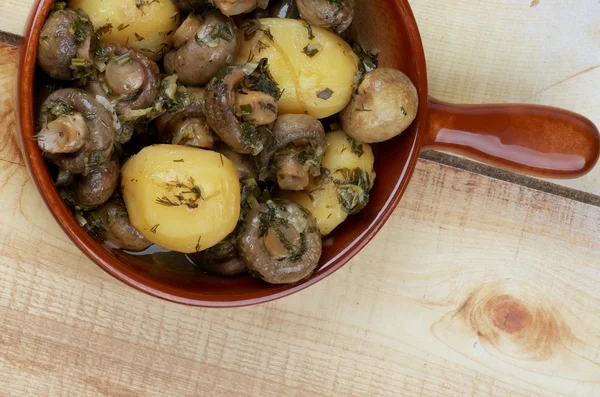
(236, 132)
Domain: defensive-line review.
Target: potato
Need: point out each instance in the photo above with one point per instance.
(181, 198)
(146, 26)
(344, 153)
(323, 203)
(320, 85)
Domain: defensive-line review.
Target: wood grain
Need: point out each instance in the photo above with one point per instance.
(470, 290)
(476, 287)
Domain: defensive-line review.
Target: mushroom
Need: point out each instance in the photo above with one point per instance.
(243, 163)
(97, 187)
(77, 132)
(203, 45)
(227, 7)
(223, 259)
(116, 228)
(129, 78)
(220, 106)
(280, 242)
(284, 9)
(335, 15)
(67, 34)
(256, 107)
(296, 150)
(386, 104)
(187, 127)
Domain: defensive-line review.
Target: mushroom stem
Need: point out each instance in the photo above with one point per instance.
(256, 107)
(274, 245)
(125, 77)
(66, 134)
(291, 175)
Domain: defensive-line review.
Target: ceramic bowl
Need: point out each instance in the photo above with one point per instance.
(534, 140)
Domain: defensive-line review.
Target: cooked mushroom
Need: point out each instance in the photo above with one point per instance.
(75, 146)
(67, 34)
(386, 104)
(280, 242)
(221, 116)
(97, 187)
(223, 259)
(284, 9)
(129, 79)
(116, 228)
(188, 126)
(336, 15)
(256, 107)
(296, 150)
(227, 7)
(203, 45)
(243, 163)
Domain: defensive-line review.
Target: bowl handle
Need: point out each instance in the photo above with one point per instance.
(533, 140)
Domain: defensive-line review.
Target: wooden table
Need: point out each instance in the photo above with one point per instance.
(477, 286)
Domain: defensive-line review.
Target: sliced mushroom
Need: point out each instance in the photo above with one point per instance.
(336, 15)
(221, 116)
(386, 104)
(97, 187)
(280, 242)
(256, 107)
(203, 45)
(67, 34)
(129, 80)
(99, 130)
(296, 150)
(117, 229)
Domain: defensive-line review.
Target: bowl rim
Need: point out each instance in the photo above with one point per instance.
(41, 176)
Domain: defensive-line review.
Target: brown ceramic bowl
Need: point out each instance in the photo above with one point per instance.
(535, 140)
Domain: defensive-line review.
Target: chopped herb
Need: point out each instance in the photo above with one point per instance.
(357, 147)
(122, 59)
(222, 163)
(58, 6)
(308, 27)
(267, 32)
(167, 202)
(122, 27)
(368, 59)
(403, 111)
(198, 245)
(140, 4)
(252, 26)
(262, 80)
(154, 228)
(245, 110)
(325, 94)
(104, 29)
(311, 50)
(138, 37)
(179, 161)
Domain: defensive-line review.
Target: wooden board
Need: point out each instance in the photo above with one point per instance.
(472, 289)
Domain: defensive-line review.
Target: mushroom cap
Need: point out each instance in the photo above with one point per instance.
(211, 47)
(64, 32)
(278, 216)
(97, 187)
(99, 121)
(118, 230)
(386, 104)
(328, 14)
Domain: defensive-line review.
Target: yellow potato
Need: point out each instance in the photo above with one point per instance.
(181, 198)
(154, 22)
(341, 154)
(333, 67)
(323, 203)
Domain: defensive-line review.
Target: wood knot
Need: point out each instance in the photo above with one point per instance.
(518, 324)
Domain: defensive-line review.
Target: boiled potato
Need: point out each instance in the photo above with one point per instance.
(344, 153)
(322, 202)
(181, 198)
(317, 75)
(146, 26)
